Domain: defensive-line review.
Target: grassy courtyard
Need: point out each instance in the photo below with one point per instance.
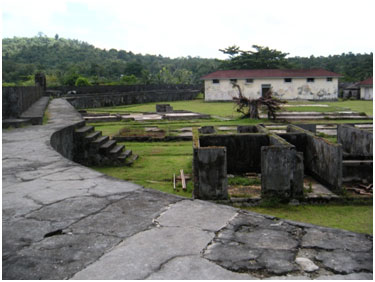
(158, 161)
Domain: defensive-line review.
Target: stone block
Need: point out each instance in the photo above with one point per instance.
(247, 129)
(357, 143)
(164, 108)
(282, 172)
(210, 168)
(207, 130)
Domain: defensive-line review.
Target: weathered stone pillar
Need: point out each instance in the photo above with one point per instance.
(40, 80)
(282, 172)
(210, 169)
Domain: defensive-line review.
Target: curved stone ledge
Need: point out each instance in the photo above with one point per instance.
(65, 221)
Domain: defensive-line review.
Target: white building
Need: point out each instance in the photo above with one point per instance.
(288, 84)
(366, 89)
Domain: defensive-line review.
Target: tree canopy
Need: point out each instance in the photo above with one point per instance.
(64, 60)
(261, 58)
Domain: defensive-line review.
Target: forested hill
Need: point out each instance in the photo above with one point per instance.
(61, 59)
(64, 60)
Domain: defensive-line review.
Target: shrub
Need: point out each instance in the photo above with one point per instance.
(82, 81)
(70, 79)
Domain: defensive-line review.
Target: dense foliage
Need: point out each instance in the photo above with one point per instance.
(64, 61)
(261, 58)
(354, 67)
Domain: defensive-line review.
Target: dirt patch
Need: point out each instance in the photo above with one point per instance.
(245, 191)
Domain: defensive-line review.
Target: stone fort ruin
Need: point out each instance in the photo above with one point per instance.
(282, 159)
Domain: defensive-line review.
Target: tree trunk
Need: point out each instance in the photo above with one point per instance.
(253, 105)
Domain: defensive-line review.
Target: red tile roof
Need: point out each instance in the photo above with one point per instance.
(366, 82)
(270, 73)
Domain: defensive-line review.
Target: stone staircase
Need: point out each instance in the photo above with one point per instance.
(92, 148)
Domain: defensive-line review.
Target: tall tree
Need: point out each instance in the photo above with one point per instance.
(261, 58)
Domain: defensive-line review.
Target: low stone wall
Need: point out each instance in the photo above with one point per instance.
(62, 140)
(356, 143)
(243, 150)
(129, 98)
(16, 100)
(124, 88)
(323, 160)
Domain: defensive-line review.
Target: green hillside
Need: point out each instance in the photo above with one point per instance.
(64, 60)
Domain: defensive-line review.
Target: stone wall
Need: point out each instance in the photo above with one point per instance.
(63, 140)
(282, 172)
(279, 162)
(243, 150)
(322, 160)
(127, 98)
(124, 88)
(210, 173)
(356, 143)
(16, 100)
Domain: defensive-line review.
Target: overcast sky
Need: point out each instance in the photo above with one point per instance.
(199, 27)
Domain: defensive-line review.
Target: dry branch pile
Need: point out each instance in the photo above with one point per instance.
(249, 107)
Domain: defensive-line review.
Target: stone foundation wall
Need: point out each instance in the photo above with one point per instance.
(322, 160)
(243, 150)
(357, 143)
(16, 100)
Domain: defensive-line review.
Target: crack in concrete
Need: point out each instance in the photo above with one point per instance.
(162, 264)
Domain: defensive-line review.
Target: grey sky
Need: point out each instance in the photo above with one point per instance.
(199, 28)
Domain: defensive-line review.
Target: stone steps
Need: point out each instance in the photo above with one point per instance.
(117, 150)
(95, 149)
(83, 131)
(124, 155)
(93, 136)
(131, 160)
(107, 147)
(99, 141)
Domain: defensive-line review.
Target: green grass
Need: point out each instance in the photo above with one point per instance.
(46, 117)
(354, 105)
(315, 109)
(356, 218)
(223, 109)
(156, 165)
(112, 128)
(158, 161)
(243, 181)
(348, 105)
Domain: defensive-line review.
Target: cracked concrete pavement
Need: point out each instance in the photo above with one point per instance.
(65, 221)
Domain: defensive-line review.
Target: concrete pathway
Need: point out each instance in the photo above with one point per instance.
(65, 221)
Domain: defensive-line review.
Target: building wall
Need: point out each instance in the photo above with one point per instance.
(299, 88)
(366, 93)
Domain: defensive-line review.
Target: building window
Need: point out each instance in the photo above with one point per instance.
(310, 79)
(287, 80)
(329, 78)
(249, 80)
(233, 80)
(215, 81)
